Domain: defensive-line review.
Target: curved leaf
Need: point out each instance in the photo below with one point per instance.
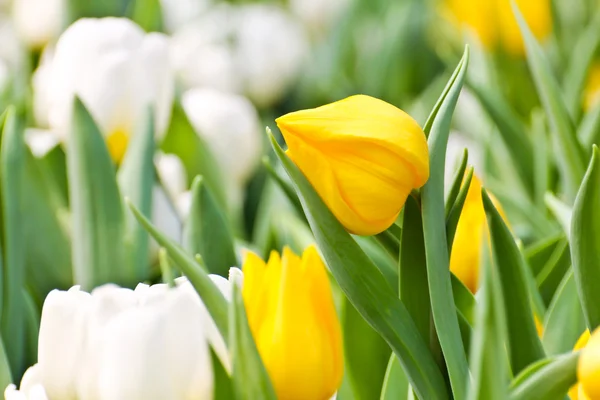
(551, 381)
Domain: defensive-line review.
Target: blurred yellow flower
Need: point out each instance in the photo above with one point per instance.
(495, 25)
(362, 155)
(471, 230)
(588, 369)
(294, 323)
(592, 88)
(576, 391)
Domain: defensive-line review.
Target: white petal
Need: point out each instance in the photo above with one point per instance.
(41, 141)
(172, 174)
(165, 218)
(38, 21)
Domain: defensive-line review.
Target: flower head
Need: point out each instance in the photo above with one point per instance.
(362, 155)
(294, 323)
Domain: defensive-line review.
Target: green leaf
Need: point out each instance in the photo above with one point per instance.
(366, 288)
(147, 14)
(511, 130)
(459, 176)
(561, 211)
(77, 9)
(551, 381)
(541, 158)
(464, 299)
(209, 293)
(12, 168)
(569, 153)
(5, 375)
(538, 253)
(414, 292)
(136, 179)
(488, 357)
(564, 319)
(395, 384)
(454, 216)
(285, 186)
(585, 242)
(249, 376)
(181, 139)
(524, 345)
(588, 131)
(549, 277)
(97, 213)
(434, 229)
(32, 328)
(207, 231)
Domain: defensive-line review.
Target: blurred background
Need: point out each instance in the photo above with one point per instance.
(231, 67)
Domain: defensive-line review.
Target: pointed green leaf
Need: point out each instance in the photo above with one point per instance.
(223, 389)
(551, 381)
(564, 320)
(287, 189)
(464, 299)
(12, 168)
(588, 131)
(585, 242)
(569, 153)
(366, 288)
(524, 345)
(434, 229)
(136, 179)
(553, 271)
(454, 215)
(457, 182)
(562, 212)
(207, 231)
(209, 293)
(249, 375)
(395, 384)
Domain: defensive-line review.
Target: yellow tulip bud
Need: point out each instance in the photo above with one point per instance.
(362, 155)
(294, 323)
(495, 25)
(576, 391)
(588, 369)
(472, 229)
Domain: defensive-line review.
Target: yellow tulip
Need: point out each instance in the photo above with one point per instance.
(294, 323)
(495, 25)
(592, 88)
(471, 231)
(588, 369)
(362, 155)
(576, 392)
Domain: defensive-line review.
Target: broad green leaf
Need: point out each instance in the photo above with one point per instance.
(551, 381)
(459, 176)
(412, 272)
(585, 242)
(366, 288)
(382, 259)
(553, 271)
(5, 375)
(454, 216)
(366, 354)
(564, 319)
(181, 139)
(511, 130)
(12, 169)
(569, 152)
(588, 131)
(434, 229)
(98, 221)
(538, 253)
(389, 241)
(464, 299)
(207, 231)
(561, 211)
(209, 293)
(223, 389)
(487, 355)
(524, 345)
(249, 375)
(136, 179)
(32, 328)
(395, 384)
(77, 9)
(147, 14)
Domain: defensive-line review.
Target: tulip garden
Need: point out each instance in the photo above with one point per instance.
(300, 199)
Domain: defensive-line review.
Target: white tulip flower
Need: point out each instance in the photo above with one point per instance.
(229, 124)
(318, 15)
(39, 21)
(121, 344)
(178, 13)
(118, 72)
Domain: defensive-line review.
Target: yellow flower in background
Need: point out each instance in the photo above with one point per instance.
(472, 229)
(495, 25)
(588, 369)
(294, 323)
(576, 391)
(362, 155)
(592, 88)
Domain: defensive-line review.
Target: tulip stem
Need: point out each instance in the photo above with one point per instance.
(165, 267)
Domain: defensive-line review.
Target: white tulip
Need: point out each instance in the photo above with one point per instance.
(173, 177)
(178, 13)
(115, 343)
(271, 48)
(117, 71)
(230, 126)
(318, 15)
(39, 21)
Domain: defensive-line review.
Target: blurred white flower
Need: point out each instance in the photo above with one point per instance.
(271, 48)
(318, 15)
(12, 55)
(173, 177)
(117, 70)
(117, 344)
(229, 124)
(40, 81)
(39, 21)
(40, 141)
(178, 13)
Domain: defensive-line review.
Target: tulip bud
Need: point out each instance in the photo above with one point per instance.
(294, 323)
(118, 72)
(362, 155)
(588, 369)
(39, 21)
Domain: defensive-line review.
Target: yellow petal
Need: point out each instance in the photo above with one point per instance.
(581, 343)
(588, 369)
(362, 155)
(592, 88)
(117, 145)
